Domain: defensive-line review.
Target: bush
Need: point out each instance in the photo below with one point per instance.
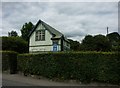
(83, 66)
(9, 61)
(16, 44)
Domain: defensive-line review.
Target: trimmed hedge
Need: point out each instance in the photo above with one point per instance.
(9, 61)
(83, 66)
(16, 44)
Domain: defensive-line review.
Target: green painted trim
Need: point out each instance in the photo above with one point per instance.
(42, 45)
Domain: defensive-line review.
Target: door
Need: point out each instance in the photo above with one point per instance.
(55, 45)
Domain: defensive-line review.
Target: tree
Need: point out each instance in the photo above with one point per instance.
(114, 39)
(74, 45)
(113, 36)
(12, 33)
(95, 43)
(26, 29)
(87, 43)
(101, 43)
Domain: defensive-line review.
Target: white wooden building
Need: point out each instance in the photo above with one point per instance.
(43, 37)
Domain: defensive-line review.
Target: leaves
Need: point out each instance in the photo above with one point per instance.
(83, 66)
(13, 33)
(14, 44)
(26, 29)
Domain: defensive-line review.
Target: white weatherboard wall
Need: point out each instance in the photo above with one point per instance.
(41, 45)
(66, 44)
(59, 45)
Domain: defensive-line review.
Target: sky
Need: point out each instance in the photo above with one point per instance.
(74, 19)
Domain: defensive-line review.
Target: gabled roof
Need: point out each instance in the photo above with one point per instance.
(49, 28)
(52, 30)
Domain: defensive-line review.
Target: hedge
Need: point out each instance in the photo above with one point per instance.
(16, 44)
(9, 61)
(82, 66)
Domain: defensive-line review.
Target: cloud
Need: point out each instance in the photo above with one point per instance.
(75, 20)
(60, 0)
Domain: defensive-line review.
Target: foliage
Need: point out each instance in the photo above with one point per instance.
(9, 61)
(114, 39)
(101, 43)
(96, 43)
(16, 44)
(82, 66)
(26, 29)
(74, 45)
(12, 33)
(114, 36)
(88, 43)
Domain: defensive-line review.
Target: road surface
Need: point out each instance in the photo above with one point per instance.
(19, 80)
(14, 83)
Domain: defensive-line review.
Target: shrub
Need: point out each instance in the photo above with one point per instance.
(16, 44)
(83, 66)
(9, 61)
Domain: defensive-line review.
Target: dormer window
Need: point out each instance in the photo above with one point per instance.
(40, 35)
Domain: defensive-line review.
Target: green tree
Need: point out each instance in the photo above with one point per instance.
(74, 45)
(114, 39)
(26, 29)
(88, 43)
(101, 43)
(12, 33)
(95, 43)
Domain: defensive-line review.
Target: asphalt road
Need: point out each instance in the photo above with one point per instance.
(14, 83)
(19, 80)
(28, 82)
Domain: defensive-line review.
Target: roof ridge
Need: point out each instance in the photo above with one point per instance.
(51, 29)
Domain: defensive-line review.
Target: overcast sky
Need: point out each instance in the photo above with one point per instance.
(73, 19)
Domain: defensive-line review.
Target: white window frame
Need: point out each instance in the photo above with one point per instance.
(40, 35)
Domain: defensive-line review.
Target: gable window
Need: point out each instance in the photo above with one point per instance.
(40, 35)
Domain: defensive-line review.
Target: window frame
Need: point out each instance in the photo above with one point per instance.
(40, 35)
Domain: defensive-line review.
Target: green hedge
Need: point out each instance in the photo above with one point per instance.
(83, 66)
(9, 61)
(16, 44)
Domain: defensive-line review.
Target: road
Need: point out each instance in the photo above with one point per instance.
(14, 83)
(19, 80)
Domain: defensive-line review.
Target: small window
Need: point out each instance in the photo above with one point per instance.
(40, 35)
(55, 41)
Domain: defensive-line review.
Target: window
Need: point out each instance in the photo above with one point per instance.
(40, 35)
(55, 41)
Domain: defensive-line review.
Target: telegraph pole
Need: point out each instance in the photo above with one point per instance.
(107, 30)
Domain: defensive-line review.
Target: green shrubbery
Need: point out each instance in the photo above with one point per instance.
(82, 66)
(9, 61)
(16, 44)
